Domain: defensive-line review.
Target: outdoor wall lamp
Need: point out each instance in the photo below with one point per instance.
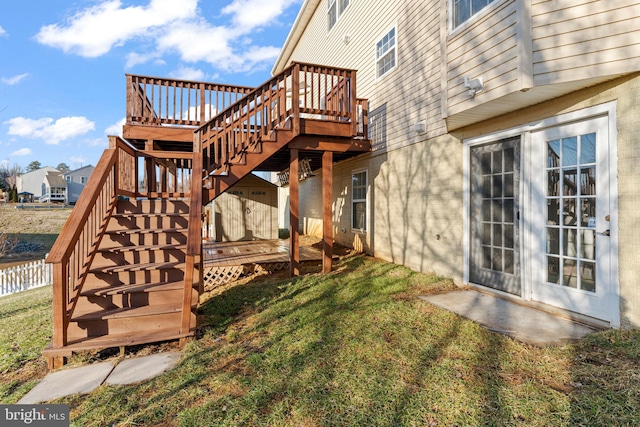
(473, 86)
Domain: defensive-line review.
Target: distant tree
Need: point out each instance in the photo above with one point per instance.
(13, 194)
(10, 174)
(34, 166)
(63, 167)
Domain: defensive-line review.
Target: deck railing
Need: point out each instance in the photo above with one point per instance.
(164, 174)
(300, 91)
(161, 101)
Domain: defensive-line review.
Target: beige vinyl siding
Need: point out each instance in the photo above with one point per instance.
(581, 39)
(485, 48)
(409, 93)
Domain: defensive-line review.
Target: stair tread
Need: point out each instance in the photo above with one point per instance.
(140, 248)
(140, 267)
(134, 288)
(117, 340)
(147, 230)
(126, 312)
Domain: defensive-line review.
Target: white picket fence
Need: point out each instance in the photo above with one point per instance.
(26, 276)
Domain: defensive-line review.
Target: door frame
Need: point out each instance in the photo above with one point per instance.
(607, 110)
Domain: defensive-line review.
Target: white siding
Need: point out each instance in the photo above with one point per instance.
(581, 39)
(486, 48)
(406, 95)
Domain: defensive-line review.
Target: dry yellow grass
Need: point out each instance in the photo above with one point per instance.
(31, 226)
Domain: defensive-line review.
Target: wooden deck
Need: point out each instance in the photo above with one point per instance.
(222, 254)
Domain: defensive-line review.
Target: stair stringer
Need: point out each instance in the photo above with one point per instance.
(236, 171)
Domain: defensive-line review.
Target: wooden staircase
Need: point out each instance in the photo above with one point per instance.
(128, 262)
(134, 287)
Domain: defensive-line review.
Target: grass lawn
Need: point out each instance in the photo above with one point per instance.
(352, 348)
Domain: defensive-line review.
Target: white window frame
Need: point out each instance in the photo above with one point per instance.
(68, 178)
(365, 200)
(338, 8)
(393, 49)
(83, 180)
(452, 5)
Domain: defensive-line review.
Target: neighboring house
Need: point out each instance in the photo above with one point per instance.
(31, 182)
(247, 211)
(54, 188)
(76, 181)
(505, 140)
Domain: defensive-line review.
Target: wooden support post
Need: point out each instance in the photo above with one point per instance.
(294, 212)
(327, 211)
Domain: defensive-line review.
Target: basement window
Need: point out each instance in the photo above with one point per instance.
(359, 200)
(335, 8)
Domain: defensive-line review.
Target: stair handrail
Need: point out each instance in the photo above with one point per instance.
(300, 91)
(77, 244)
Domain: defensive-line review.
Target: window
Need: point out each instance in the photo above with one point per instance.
(83, 180)
(359, 201)
(463, 10)
(386, 53)
(335, 8)
(68, 177)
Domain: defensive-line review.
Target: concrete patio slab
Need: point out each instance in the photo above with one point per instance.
(66, 382)
(525, 324)
(138, 369)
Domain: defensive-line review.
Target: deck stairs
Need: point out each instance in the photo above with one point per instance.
(128, 264)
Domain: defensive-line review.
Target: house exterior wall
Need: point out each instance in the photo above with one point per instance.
(540, 59)
(31, 182)
(580, 39)
(75, 184)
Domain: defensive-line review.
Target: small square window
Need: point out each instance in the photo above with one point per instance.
(83, 180)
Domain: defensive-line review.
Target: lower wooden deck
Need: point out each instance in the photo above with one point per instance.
(217, 254)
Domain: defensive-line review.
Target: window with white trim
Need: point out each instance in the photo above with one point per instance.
(335, 8)
(83, 180)
(359, 200)
(463, 10)
(386, 53)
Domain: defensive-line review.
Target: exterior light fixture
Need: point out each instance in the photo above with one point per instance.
(473, 86)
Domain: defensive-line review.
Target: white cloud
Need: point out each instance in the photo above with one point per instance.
(171, 27)
(95, 31)
(2, 31)
(251, 14)
(188, 73)
(116, 128)
(22, 152)
(14, 80)
(48, 130)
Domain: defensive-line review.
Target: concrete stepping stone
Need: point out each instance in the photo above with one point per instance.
(138, 369)
(66, 382)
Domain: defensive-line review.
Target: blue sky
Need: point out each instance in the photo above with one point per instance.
(63, 63)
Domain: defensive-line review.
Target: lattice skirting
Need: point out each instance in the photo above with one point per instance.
(221, 275)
